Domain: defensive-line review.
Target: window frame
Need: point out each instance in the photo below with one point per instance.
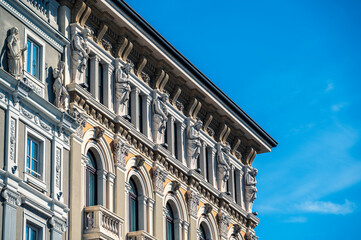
(34, 221)
(38, 182)
(91, 170)
(133, 197)
(39, 42)
(170, 220)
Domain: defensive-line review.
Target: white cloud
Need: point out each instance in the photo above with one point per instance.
(296, 220)
(337, 107)
(329, 87)
(327, 207)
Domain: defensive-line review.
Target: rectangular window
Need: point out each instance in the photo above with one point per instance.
(87, 75)
(31, 233)
(100, 83)
(140, 107)
(235, 185)
(33, 58)
(175, 140)
(206, 172)
(130, 108)
(33, 157)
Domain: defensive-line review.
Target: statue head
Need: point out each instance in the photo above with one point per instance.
(14, 30)
(127, 68)
(227, 148)
(198, 125)
(61, 65)
(86, 32)
(164, 97)
(254, 172)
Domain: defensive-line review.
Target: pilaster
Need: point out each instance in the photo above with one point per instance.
(108, 85)
(170, 134)
(134, 95)
(94, 76)
(11, 201)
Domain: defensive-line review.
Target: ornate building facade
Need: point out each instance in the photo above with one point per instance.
(108, 132)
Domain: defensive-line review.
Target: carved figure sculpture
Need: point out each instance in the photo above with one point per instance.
(122, 87)
(15, 53)
(79, 55)
(61, 94)
(223, 167)
(250, 188)
(160, 118)
(193, 143)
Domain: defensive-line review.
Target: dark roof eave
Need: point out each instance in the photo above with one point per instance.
(195, 71)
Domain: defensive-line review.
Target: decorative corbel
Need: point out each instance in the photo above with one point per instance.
(140, 161)
(249, 155)
(99, 132)
(176, 94)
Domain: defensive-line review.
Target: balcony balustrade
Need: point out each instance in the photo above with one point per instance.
(100, 223)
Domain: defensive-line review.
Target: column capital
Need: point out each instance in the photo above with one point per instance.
(158, 177)
(150, 202)
(193, 199)
(95, 58)
(11, 198)
(111, 177)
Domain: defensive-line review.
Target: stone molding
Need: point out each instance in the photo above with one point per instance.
(11, 198)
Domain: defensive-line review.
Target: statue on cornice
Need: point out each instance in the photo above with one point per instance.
(193, 143)
(122, 87)
(223, 167)
(61, 94)
(250, 187)
(15, 53)
(160, 118)
(79, 55)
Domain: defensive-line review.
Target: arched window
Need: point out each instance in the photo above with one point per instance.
(203, 233)
(170, 223)
(133, 206)
(91, 180)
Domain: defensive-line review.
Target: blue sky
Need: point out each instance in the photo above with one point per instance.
(296, 65)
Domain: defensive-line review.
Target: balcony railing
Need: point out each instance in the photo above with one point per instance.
(140, 235)
(100, 223)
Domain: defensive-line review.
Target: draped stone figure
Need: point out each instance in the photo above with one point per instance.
(61, 94)
(122, 87)
(223, 167)
(250, 187)
(15, 53)
(160, 118)
(193, 143)
(79, 55)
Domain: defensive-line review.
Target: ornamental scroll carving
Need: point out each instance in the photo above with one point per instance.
(250, 187)
(81, 119)
(11, 198)
(12, 139)
(193, 201)
(158, 177)
(121, 151)
(223, 223)
(193, 143)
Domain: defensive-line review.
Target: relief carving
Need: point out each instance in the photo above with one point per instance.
(79, 55)
(250, 187)
(61, 94)
(193, 199)
(158, 177)
(122, 87)
(15, 53)
(121, 151)
(223, 167)
(193, 143)
(223, 223)
(160, 118)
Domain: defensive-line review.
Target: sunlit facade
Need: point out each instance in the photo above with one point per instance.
(108, 132)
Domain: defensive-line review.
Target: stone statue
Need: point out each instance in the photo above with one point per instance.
(15, 53)
(193, 143)
(223, 166)
(79, 55)
(160, 118)
(61, 94)
(250, 187)
(122, 87)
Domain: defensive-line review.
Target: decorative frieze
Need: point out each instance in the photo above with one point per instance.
(58, 168)
(120, 152)
(223, 223)
(12, 153)
(192, 198)
(158, 177)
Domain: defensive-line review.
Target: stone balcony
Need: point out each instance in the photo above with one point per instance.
(100, 223)
(140, 235)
